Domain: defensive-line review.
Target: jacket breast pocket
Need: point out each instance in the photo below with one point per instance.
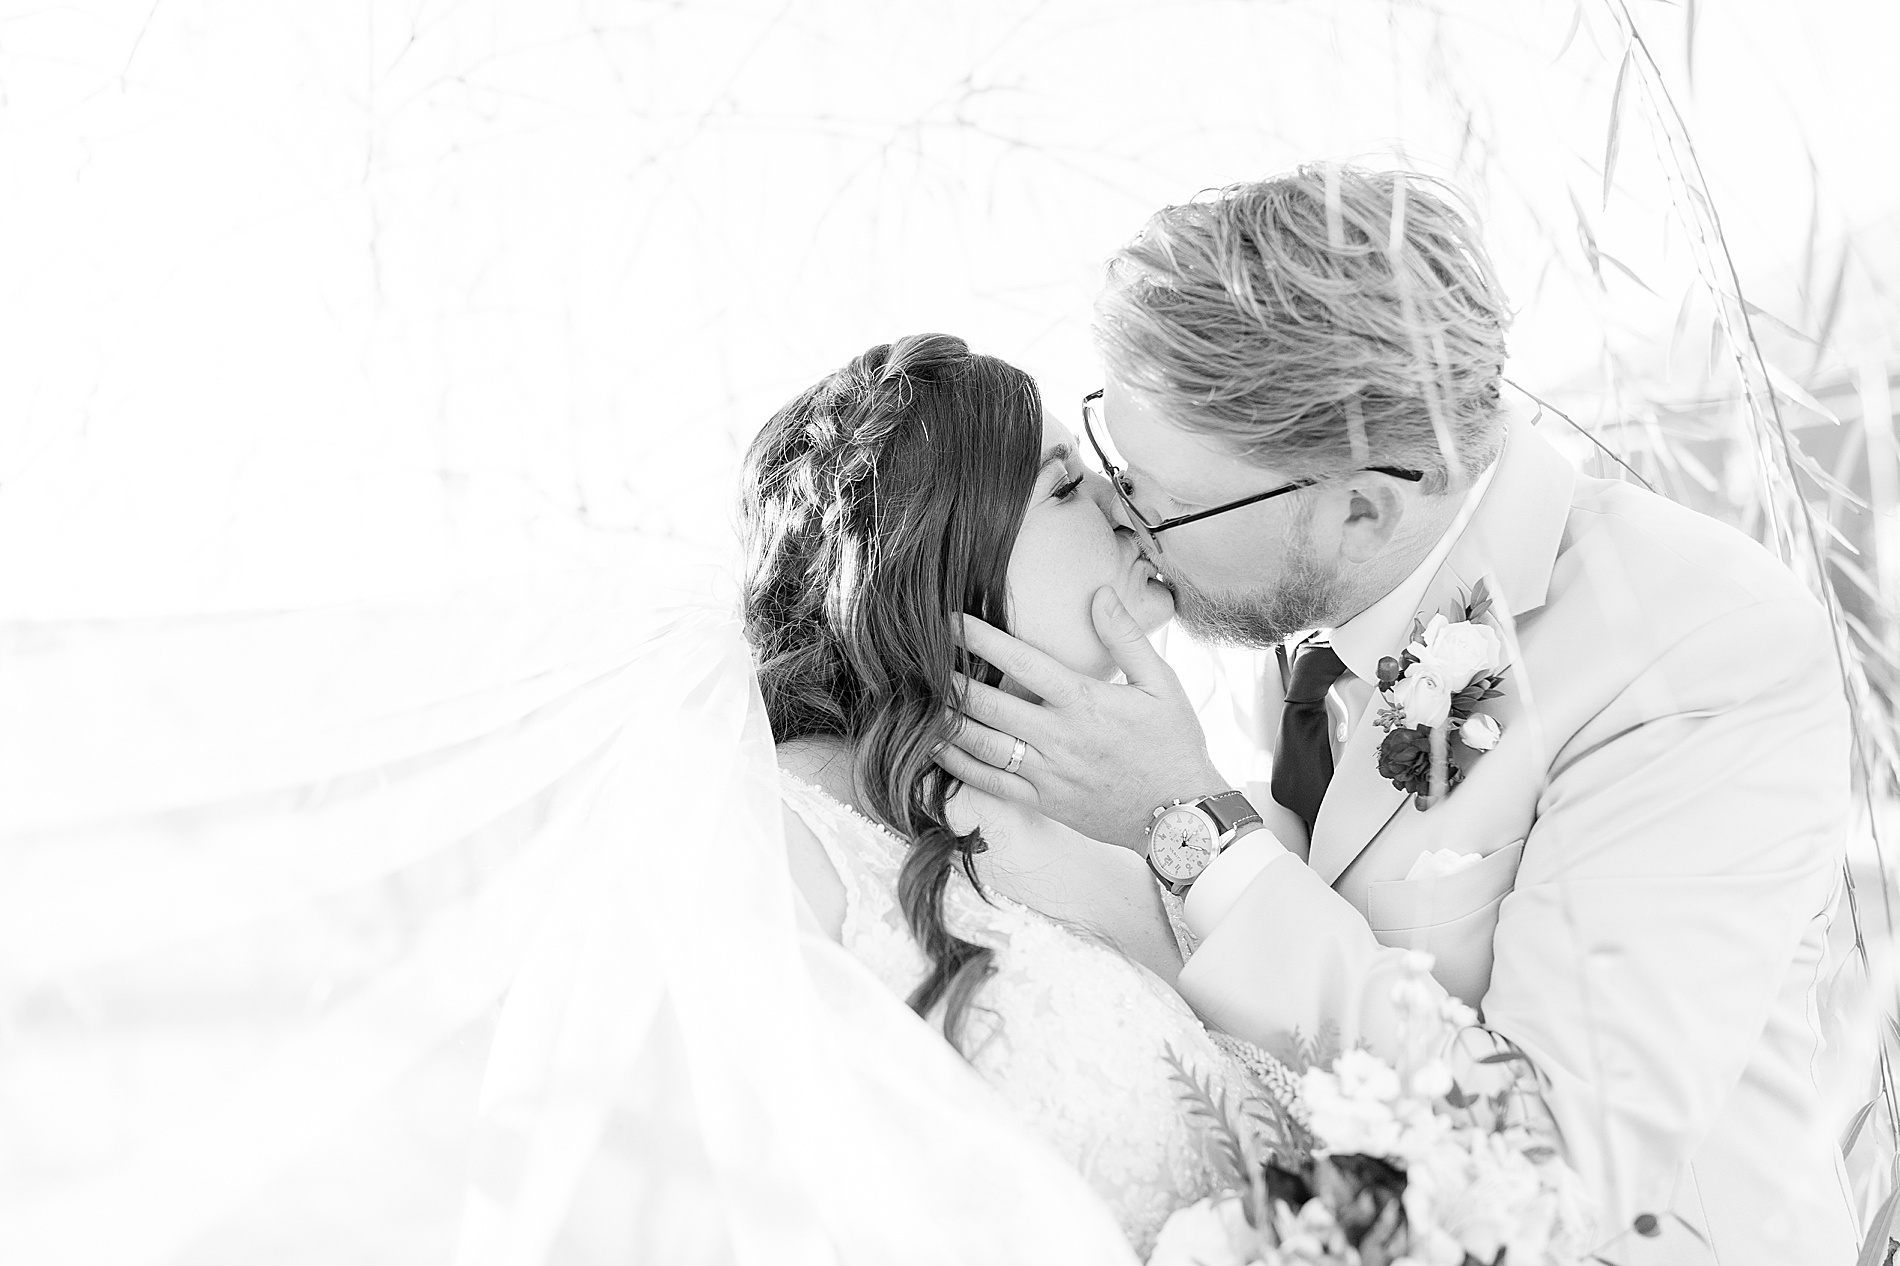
(1451, 917)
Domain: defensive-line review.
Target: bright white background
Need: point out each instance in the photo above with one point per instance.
(305, 301)
(310, 300)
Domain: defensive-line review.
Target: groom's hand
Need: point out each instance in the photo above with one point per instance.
(1100, 756)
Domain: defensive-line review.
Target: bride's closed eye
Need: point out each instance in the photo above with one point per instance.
(1066, 489)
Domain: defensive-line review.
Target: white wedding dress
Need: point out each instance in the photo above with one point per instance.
(1079, 1040)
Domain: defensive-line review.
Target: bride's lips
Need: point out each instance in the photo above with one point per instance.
(1159, 577)
(1143, 559)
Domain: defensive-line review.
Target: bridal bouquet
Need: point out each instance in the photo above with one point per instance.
(1379, 1164)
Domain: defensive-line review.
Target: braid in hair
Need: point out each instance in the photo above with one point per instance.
(878, 505)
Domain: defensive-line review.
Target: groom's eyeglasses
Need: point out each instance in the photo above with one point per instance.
(1094, 426)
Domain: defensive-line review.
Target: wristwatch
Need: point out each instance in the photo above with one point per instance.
(1185, 836)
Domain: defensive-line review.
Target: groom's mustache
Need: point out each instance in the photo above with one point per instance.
(1154, 561)
(1299, 603)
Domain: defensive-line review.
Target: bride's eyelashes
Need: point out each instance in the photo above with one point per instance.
(1066, 489)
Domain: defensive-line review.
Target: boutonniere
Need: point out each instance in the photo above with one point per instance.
(1430, 694)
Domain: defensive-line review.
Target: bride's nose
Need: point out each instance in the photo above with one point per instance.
(1102, 493)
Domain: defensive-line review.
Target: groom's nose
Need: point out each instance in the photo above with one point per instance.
(1124, 520)
(1105, 496)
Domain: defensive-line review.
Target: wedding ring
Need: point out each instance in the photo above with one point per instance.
(1016, 754)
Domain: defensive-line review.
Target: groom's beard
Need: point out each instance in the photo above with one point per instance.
(1306, 598)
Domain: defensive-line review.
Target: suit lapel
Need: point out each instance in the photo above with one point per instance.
(1358, 802)
(1512, 543)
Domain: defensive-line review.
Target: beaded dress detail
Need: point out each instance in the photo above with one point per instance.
(1076, 1037)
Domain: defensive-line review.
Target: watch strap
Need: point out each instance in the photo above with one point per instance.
(1230, 810)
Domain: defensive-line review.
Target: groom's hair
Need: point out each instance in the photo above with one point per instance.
(1322, 320)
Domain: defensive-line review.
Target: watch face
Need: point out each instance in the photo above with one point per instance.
(1181, 844)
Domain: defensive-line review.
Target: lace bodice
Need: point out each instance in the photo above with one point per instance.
(1078, 1038)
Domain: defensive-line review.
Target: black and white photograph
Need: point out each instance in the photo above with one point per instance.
(1025, 633)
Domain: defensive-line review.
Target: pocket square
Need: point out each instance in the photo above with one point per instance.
(1441, 862)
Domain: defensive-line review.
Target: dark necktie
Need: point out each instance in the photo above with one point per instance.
(1303, 762)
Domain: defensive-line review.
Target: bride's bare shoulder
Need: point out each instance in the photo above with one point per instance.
(813, 874)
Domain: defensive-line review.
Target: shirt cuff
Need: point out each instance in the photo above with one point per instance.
(1226, 877)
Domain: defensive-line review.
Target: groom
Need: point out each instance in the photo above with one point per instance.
(1628, 869)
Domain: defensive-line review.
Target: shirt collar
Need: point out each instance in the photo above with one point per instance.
(1376, 632)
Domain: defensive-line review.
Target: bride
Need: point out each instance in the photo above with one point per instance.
(918, 483)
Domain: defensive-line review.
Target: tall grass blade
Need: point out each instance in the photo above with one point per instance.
(1862, 581)
(1792, 390)
(1755, 310)
(1587, 238)
(1576, 24)
(1873, 1250)
(1873, 641)
(1681, 327)
(1616, 124)
(1852, 1136)
(1688, 41)
(1625, 269)
(1810, 247)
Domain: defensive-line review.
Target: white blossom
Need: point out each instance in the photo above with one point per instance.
(1480, 732)
(1210, 1232)
(1424, 695)
(1310, 1237)
(1359, 1107)
(1460, 653)
(1431, 1080)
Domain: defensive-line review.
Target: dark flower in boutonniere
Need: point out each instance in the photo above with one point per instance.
(1433, 688)
(1405, 757)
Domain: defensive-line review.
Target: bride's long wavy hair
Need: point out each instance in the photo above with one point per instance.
(877, 506)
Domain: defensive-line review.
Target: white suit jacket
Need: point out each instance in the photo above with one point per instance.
(1663, 827)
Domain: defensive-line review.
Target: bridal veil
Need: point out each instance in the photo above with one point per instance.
(455, 928)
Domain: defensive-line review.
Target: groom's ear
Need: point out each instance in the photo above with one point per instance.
(1374, 511)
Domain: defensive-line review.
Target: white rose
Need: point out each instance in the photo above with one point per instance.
(1498, 1204)
(1480, 732)
(1424, 695)
(1358, 1129)
(1461, 652)
(1455, 1015)
(1359, 1107)
(1432, 1080)
(1211, 1232)
(1421, 1130)
(1436, 1178)
(1346, 1118)
(1432, 628)
(1363, 1075)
